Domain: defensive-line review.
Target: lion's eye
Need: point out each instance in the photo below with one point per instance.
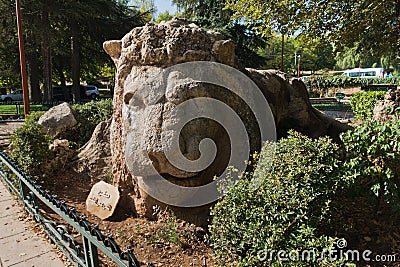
(134, 100)
(127, 98)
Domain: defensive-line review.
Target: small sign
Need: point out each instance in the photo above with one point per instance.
(340, 95)
(102, 200)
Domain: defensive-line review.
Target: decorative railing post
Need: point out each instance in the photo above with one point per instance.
(22, 191)
(91, 253)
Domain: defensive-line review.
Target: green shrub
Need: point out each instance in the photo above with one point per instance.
(88, 116)
(94, 111)
(363, 103)
(373, 159)
(285, 211)
(327, 82)
(30, 146)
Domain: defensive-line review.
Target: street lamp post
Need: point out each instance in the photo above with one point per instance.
(25, 93)
(297, 56)
(283, 31)
(298, 66)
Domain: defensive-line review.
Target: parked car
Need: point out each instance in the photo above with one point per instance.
(64, 93)
(87, 91)
(14, 96)
(90, 91)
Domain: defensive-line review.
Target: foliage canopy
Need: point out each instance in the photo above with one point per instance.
(369, 24)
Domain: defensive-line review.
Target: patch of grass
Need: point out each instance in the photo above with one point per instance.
(121, 236)
(169, 232)
(19, 108)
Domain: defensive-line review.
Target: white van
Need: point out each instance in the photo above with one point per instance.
(364, 73)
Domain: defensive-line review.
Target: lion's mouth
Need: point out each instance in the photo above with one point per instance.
(194, 181)
(196, 178)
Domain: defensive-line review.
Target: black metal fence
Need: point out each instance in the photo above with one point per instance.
(83, 253)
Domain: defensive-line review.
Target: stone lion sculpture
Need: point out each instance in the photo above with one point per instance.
(143, 122)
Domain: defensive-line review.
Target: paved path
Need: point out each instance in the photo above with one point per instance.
(19, 245)
(6, 128)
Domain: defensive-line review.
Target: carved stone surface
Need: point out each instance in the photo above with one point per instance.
(94, 157)
(146, 52)
(102, 200)
(58, 119)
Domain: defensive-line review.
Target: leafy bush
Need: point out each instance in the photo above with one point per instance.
(88, 116)
(363, 103)
(30, 146)
(285, 211)
(373, 159)
(94, 112)
(327, 82)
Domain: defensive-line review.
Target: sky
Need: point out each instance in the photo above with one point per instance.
(163, 5)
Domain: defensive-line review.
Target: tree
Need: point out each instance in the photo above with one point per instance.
(272, 54)
(88, 24)
(325, 56)
(373, 25)
(46, 52)
(51, 29)
(165, 16)
(187, 8)
(145, 6)
(350, 58)
(314, 55)
(9, 69)
(212, 15)
(266, 17)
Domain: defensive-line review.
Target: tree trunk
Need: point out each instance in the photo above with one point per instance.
(61, 76)
(398, 26)
(32, 47)
(75, 63)
(46, 54)
(63, 83)
(33, 70)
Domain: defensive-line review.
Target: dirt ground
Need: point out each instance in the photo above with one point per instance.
(169, 241)
(166, 241)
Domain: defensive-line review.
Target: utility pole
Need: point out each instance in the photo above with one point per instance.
(283, 51)
(297, 56)
(298, 67)
(25, 92)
